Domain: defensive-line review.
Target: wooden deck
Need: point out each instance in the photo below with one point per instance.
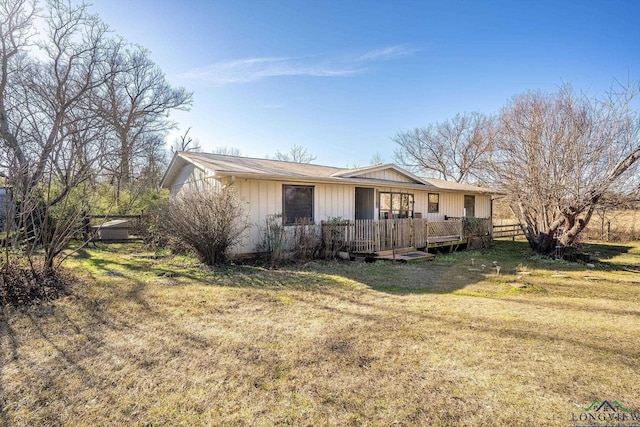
(371, 237)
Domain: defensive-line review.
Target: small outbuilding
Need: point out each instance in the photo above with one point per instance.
(117, 229)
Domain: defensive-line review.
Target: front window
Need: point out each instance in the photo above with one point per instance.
(396, 205)
(297, 203)
(434, 203)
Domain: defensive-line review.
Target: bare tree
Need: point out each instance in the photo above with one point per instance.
(186, 143)
(297, 154)
(376, 159)
(226, 151)
(454, 150)
(50, 135)
(43, 102)
(55, 85)
(557, 155)
(136, 104)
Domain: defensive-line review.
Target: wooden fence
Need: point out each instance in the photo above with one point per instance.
(371, 236)
(507, 230)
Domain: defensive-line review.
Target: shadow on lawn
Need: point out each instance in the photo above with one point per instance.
(77, 334)
(117, 321)
(449, 272)
(9, 351)
(603, 253)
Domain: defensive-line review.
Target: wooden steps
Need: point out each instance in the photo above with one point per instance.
(404, 255)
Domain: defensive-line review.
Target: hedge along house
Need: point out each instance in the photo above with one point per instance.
(371, 202)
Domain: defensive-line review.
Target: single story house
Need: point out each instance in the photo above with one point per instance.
(323, 193)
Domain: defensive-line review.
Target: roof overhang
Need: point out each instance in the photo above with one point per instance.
(364, 182)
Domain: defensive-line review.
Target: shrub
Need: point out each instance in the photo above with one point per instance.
(24, 284)
(273, 243)
(280, 244)
(210, 222)
(475, 226)
(151, 225)
(306, 242)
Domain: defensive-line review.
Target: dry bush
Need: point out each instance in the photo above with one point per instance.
(209, 222)
(282, 244)
(151, 226)
(306, 241)
(22, 285)
(273, 243)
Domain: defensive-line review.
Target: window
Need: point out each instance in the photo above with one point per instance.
(396, 205)
(470, 206)
(297, 203)
(434, 203)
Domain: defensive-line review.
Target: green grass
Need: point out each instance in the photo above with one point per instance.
(159, 340)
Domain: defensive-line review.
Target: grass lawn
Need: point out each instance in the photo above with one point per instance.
(146, 340)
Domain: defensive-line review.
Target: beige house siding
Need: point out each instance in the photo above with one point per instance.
(181, 180)
(192, 177)
(264, 198)
(387, 175)
(483, 206)
(333, 201)
(451, 204)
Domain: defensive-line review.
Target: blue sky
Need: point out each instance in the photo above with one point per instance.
(341, 78)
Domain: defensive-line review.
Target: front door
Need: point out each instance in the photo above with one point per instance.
(470, 206)
(365, 203)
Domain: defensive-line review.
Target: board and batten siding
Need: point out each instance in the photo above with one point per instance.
(451, 204)
(192, 177)
(387, 175)
(264, 198)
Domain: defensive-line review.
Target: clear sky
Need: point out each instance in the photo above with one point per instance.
(341, 78)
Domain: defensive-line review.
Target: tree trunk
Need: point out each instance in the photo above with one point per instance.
(542, 243)
(125, 168)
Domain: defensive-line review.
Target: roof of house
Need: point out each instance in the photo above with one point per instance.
(218, 165)
(457, 186)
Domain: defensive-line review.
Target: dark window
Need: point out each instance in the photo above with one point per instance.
(434, 203)
(396, 205)
(470, 206)
(365, 203)
(297, 203)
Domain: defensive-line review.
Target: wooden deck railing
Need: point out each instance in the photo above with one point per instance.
(370, 236)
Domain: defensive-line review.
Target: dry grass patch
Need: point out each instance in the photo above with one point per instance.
(147, 340)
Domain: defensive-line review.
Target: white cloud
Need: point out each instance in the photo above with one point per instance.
(385, 54)
(254, 69)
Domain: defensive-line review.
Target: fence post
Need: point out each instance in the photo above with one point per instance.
(86, 226)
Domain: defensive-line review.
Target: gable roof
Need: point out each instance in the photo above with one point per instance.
(363, 171)
(218, 165)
